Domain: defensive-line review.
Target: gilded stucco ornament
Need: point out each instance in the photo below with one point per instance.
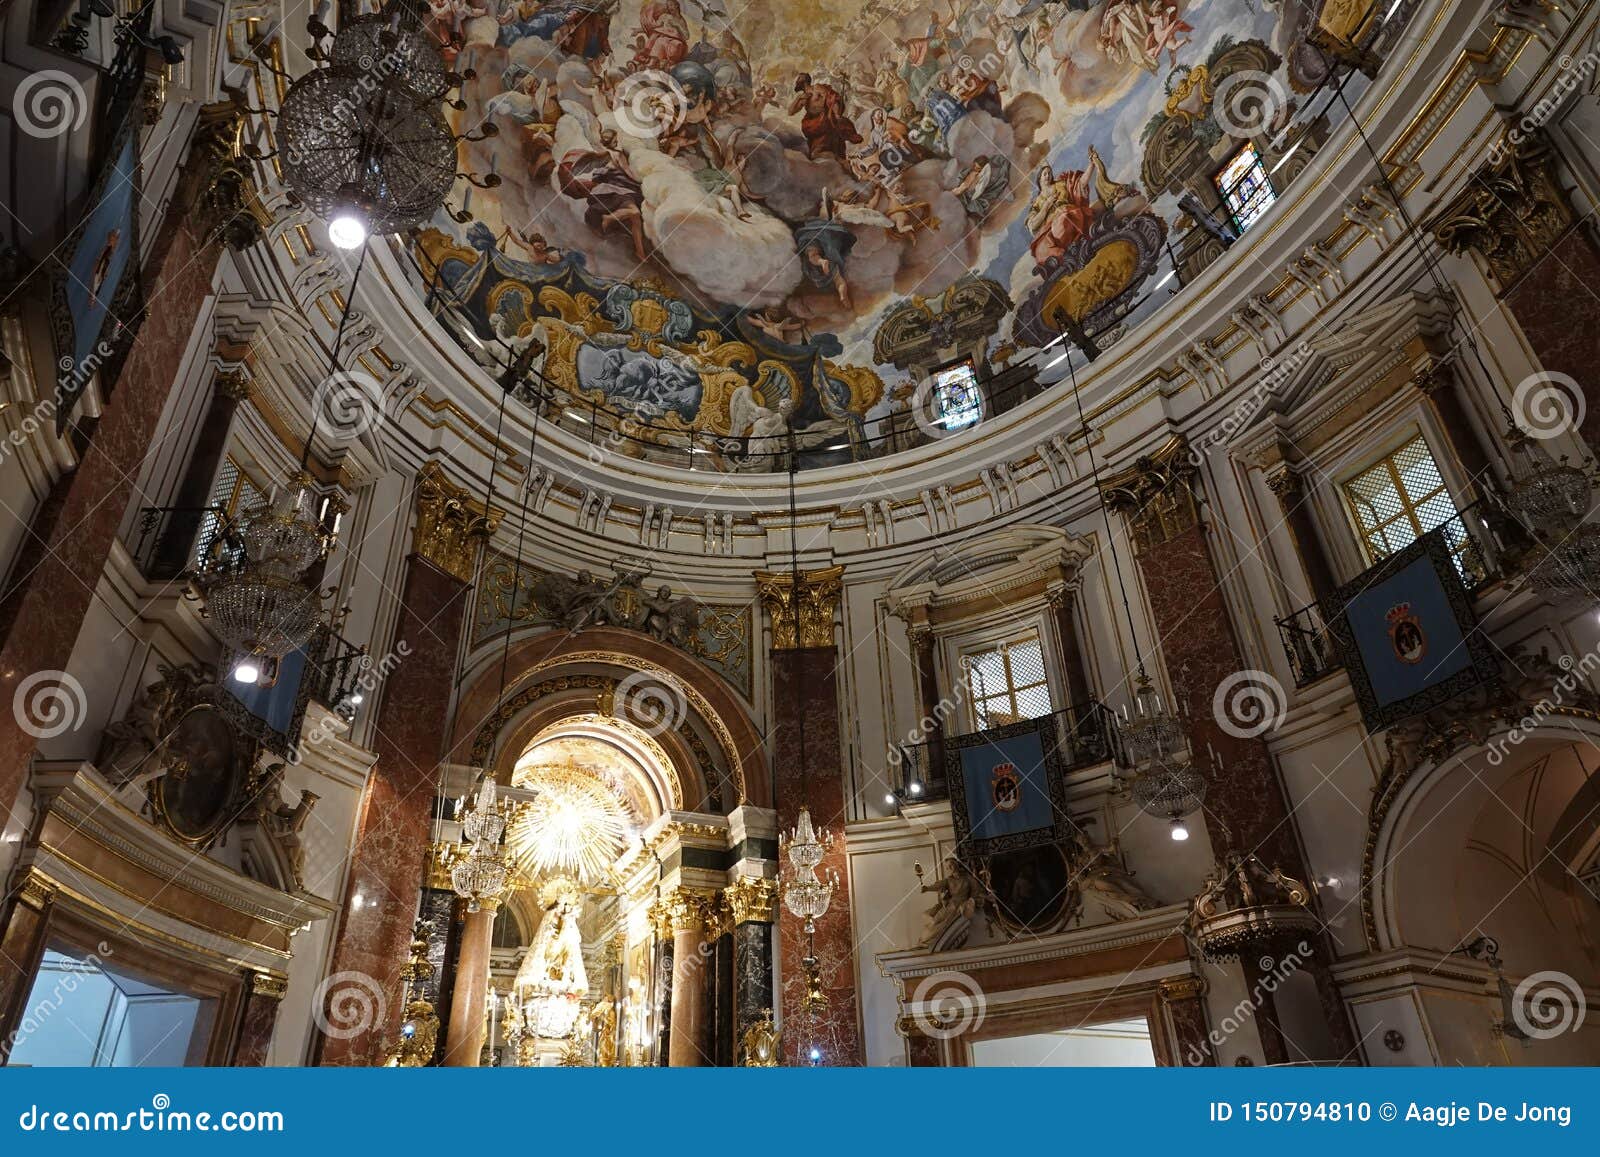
(751, 898)
(1511, 212)
(1157, 493)
(819, 600)
(450, 525)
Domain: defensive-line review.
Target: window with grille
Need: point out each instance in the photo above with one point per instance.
(1007, 683)
(1401, 497)
(1245, 187)
(234, 493)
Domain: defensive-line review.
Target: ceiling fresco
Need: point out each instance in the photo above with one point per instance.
(706, 209)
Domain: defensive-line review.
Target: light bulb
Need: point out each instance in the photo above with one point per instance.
(1179, 831)
(247, 671)
(915, 788)
(889, 798)
(347, 228)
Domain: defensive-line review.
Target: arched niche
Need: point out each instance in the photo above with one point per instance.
(712, 748)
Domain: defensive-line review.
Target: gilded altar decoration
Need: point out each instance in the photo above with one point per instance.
(1157, 494)
(752, 898)
(419, 1032)
(513, 595)
(760, 1046)
(552, 981)
(1511, 212)
(450, 524)
(818, 602)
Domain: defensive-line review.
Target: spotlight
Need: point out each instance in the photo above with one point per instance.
(915, 787)
(1179, 831)
(247, 671)
(347, 227)
(815, 1055)
(889, 799)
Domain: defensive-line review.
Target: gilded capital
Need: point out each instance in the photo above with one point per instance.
(685, 910)
(234, 385)
(1286, 484)
(1157, 494)
(1183, 988)
(36, 891)
(269, 985)
(451, 526)
(751, 898)
(1511, 212)
(818, 601)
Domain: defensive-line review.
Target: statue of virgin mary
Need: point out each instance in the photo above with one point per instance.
(552, 982)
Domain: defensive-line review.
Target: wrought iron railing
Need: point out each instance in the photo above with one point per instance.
(167, 541)
(1473, 542)
(335, 671)
(1087, 735)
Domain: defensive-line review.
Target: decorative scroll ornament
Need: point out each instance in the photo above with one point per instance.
(1511, 212)
(1157, 494)
(450, 525)
(1247, 908)
(818, 601)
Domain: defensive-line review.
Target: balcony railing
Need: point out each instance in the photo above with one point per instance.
(1473, 543)
(166, 538)
(335, 671)
(1088, 735)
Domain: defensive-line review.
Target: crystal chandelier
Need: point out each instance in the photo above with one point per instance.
(807, 894)
(363, 138)
(255, 593)
(479, 874)
(1552, 500)
(1150, 734)
(1171, 792)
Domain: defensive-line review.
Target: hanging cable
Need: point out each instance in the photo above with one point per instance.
(1105, 513)
(333, 356)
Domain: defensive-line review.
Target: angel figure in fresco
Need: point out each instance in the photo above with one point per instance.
(828, 129)
(780, 327)
(1168, 31)
(1065, 205)
(662, 39)
(1125, 34)
(447, 20)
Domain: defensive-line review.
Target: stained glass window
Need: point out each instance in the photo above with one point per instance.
(957, 401)
(1246, 190)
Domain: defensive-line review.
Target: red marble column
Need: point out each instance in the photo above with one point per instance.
(257, 1022)
(70, 538)
(464, 1042)
(392, 843)
(1245, 805)
(805, 681)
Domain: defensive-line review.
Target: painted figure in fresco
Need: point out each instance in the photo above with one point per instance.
(823, 245)
(523, 18)
(1065, 205)
(611, 192)
(662, 39)
(827, 128)
(539, 251)
(1168, 31)
(975, 90)
(1125, 34)
(986, 182)
(586, 32)
(447, 20)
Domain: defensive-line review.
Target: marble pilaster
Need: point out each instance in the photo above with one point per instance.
(259, 1019)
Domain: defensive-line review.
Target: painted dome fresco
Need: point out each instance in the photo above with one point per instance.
(751, 219)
